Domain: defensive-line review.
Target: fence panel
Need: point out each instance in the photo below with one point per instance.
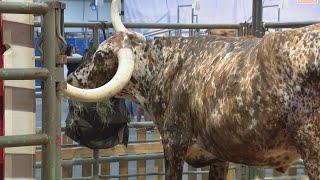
(105, 169)
(205, 176)
(123, 168)
(86, 170)
(67, 170)
(141, 164)
(192, 176)
(146, 148)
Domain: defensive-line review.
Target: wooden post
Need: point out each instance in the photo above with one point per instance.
(123, 168)
(66, 170)
(205, 176)
(275, 173)
(105, 169)
(231, 172)
(255, 172)
(158, 164)
(242, 172)
(292, 171)
(141, 164)
(86, 170)
(192, 176)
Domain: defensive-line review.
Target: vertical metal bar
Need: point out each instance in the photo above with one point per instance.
(95, 37)
(178, 20)
(50, 121)
(243, 29)
(58, 134)
(95, 164)
(279, 13)
(192, 21)
(178, 14)
(257, 12)
(59, 78)
(240, 30)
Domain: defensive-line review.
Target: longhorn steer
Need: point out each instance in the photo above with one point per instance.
(251, 101)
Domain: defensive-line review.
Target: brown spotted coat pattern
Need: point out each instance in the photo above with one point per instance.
(244, 100)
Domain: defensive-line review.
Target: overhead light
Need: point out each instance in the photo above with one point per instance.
(94, 5)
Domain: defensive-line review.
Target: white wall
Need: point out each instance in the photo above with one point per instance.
(217, 11)
(77, 11)
(211, 11)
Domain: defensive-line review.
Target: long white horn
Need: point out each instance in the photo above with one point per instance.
(114, 86)
(122, 76)
(115, 18)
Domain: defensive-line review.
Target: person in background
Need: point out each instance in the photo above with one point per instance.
(132, 108)
(140, 113)
(72, 52)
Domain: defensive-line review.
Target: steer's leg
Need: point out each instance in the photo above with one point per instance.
(175, 143)
(218, 170)
(307, 139)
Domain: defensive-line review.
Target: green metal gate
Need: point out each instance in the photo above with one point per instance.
(52, 76)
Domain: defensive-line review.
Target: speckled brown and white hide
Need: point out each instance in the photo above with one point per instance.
(251, 101)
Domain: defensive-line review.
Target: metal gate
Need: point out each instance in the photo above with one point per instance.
(51, 75)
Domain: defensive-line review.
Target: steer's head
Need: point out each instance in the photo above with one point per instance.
(112, 65)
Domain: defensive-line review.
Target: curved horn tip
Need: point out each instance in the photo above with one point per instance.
(115, 17)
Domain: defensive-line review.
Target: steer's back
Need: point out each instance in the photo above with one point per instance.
(220, 89)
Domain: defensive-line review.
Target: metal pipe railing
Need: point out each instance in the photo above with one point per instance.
(23, 74)
(149, 174)
(23, 8)
(69, 59)
(141, 124)
(186, 173)
(186, 26)
(50, 114)
(257, 12)
(95, 164)
(289, 24)
(52, 17)
(135, 157)
(131, 125)
(63, 146)
(78, 178)
(23, 140)
(150, 25)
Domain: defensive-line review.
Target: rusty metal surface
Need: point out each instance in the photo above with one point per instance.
(51, 169)
(23, 74)
(23, 140)
(23, 8)
(150, 25)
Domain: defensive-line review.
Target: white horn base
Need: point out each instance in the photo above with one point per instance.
(110, 89)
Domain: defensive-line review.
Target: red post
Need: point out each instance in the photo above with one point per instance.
(2, 50)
